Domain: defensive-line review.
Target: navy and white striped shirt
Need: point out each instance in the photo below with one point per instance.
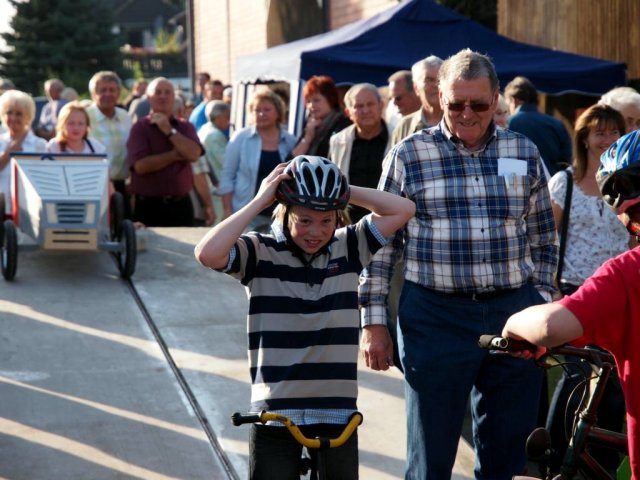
(303, 321)
(483, 219)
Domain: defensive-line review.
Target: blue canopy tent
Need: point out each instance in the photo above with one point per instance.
(370, 50)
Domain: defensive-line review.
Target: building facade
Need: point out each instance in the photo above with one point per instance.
(226, 29)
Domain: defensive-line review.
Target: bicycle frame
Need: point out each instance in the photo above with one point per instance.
(577, 459)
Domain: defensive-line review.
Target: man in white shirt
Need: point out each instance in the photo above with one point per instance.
(111, 125)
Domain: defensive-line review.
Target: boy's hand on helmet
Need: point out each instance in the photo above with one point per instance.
(270, 184)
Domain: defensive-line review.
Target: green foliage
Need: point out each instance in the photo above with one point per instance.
(138, 74)
(67, 39)
(166, 42)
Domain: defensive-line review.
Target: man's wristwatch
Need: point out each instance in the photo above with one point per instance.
(172, 132)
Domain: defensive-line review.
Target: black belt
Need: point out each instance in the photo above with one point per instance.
(476, 296)
(162, 198)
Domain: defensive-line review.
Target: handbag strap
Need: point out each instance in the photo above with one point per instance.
(564, 227)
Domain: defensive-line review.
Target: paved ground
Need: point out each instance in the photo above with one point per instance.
(87, 393)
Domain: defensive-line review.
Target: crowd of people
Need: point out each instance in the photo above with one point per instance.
(410, 222)
(158, 160)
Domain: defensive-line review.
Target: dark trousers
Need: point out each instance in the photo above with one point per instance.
(165, 211)
(438, 341)
(275, 454)
(120, 186)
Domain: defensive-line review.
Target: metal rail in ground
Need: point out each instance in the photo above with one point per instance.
(193, 401)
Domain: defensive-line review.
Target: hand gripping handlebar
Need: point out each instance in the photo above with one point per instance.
(505, 344)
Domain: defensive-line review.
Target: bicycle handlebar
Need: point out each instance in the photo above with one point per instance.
(593, 355)
(319, 443)
(505, 344)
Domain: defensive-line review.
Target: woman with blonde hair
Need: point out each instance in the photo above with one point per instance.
(17, 111)
(253, 152)
(72, 132)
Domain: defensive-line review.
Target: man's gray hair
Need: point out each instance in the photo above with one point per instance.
(105, 75)
(468, 65)
(419, 69)
(402, 76)
(621, 97)
(151, 88)
(350, 96)
(216, 108)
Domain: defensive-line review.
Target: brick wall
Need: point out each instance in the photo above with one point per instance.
(225, 29)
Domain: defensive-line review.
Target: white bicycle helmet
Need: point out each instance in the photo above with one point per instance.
(316, 183)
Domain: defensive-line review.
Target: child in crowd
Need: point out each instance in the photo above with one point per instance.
(72, 132)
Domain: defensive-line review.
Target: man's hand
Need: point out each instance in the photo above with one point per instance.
(210, 215)
(162, 121)
(376, 347)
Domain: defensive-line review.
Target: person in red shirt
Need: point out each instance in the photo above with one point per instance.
(605, 310)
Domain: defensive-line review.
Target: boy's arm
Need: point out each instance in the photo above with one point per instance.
(547, 325)
(213, 250)
(390, 211)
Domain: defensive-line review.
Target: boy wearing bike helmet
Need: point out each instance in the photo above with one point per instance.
(303, 305)
(606, 309)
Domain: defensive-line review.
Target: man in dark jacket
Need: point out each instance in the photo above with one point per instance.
(547, 132)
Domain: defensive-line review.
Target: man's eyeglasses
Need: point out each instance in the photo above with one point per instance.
(475, 107)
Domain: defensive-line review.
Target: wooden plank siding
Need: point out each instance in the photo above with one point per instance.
(607, 29)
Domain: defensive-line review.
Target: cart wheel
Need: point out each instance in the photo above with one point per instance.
(116, 214)
(127, 258)
(9, 250)
(2, 207)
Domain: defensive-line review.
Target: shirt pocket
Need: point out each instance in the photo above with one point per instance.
(512, 194)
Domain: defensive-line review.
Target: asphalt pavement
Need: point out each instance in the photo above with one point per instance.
(100, 380)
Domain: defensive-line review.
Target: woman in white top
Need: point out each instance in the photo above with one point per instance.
(594, 234)
(253, 152)
(72, 132)
(17, 110)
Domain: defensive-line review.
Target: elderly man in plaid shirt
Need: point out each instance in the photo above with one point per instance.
(480, 247)
(110, 125)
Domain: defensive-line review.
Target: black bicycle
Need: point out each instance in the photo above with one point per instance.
(577, 461)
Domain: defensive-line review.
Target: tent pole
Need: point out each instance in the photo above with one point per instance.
(296, 107)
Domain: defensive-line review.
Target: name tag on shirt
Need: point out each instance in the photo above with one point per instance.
(511, 166)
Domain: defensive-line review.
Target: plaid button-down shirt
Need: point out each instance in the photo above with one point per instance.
(113, 133)
(483, 219)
